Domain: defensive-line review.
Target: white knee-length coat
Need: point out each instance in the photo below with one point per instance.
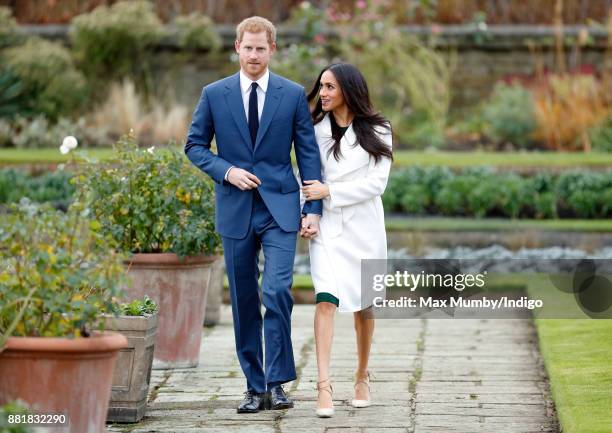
(352, 226)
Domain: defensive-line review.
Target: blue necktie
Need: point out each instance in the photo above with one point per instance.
(253, 113)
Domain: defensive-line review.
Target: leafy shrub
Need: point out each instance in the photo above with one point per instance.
(484, 198)
(304, 61)
(509, 115)
(581, 180)
(8, 27)
(423, 134)
(512, 194)
(49, 82)
(583, 203)
(300, 62)
(451, 199)
(6, 133)
(542, 182)
(545, 205)
(581, 193)
(58, 272)
(39, 132)
(152, 201)
(567, 107)
(196, 32)
(434, 177)
(310, 19)
(601, 136)
(415, 200)
(407, 78)
(397, 186)
(13, 101)
(111, 42)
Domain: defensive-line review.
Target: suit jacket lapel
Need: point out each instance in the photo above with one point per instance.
(233, 98)
(273, 99)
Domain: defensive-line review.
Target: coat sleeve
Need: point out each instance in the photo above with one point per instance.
(307, 151)
(372, 185)
(199, 138)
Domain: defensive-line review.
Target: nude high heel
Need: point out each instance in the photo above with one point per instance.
(363, 403)
(325, 412)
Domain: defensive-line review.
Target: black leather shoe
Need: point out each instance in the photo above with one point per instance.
(278, 398)
(252, 403)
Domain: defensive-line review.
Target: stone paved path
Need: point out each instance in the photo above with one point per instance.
(429, 376)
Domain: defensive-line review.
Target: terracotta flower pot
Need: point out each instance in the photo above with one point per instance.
(215, 293)
(179, 288)
(62, 375)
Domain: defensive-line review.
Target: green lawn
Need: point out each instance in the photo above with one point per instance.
(578, 358)
(504, 159)
(32, 156)
(451, 159)
(494, 224)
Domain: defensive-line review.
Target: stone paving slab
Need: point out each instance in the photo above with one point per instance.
(429, 376)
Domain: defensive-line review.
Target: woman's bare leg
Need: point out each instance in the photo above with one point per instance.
(364, 330)
(324, 333)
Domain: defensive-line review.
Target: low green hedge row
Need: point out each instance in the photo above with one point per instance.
(51, 187)
(473, 192)
(483, 192)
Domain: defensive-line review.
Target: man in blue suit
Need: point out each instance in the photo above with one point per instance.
(255, 116)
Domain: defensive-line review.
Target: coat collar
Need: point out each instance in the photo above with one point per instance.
(348, 139)
(353, 155)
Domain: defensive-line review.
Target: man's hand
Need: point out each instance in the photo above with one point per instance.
(309, 227)
(242, 179)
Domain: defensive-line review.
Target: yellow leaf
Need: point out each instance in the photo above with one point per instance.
(20, 329)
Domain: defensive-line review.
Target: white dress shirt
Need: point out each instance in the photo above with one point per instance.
(245, 87)
(262, 88)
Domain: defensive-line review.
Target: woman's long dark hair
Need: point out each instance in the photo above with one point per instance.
(357, 98)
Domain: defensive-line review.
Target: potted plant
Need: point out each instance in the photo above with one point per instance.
(160, 209)
(57, 272)
(137, 320)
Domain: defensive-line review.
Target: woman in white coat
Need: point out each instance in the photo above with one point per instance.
(355, 146)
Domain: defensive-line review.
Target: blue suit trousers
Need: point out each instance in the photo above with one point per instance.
(242, 262)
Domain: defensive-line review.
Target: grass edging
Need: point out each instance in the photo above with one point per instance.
(432, 223)
(577, 354)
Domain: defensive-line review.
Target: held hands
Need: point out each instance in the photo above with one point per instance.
(309, 226)
(315, 190)
(242, 179)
